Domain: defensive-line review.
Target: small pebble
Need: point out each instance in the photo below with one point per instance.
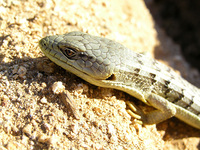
(15, 69)
(43, 138)
(43, 100)
(22, 71)
(58, 87)
(27, 129)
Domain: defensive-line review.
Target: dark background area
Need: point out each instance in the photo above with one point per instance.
(181, 21)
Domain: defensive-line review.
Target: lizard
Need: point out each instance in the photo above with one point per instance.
(106, 63)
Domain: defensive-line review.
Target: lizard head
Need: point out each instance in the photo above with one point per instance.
(86, 56)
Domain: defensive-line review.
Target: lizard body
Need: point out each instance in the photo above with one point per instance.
(106, 63)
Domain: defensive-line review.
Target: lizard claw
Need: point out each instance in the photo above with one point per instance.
(135, 112)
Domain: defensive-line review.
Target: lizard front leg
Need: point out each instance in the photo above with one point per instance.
(164, 110)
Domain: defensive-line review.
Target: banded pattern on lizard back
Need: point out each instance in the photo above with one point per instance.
(106, 63)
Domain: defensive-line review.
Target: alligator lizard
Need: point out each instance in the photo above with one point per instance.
(106, 63)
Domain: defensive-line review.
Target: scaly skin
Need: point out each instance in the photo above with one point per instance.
(106, 63)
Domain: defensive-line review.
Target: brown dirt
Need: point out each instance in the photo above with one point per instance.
(33, 117)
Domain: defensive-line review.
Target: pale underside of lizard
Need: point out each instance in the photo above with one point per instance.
(106, 63)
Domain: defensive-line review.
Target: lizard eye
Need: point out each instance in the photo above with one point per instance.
(69, 52)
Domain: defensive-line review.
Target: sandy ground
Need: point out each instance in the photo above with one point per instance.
(33, 117)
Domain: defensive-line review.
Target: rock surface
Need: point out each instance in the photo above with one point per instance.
(33, 117)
